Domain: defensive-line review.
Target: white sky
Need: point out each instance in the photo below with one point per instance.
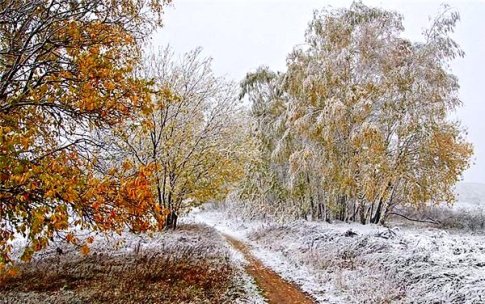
(241, 35)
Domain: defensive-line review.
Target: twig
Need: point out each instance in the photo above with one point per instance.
(431, 221)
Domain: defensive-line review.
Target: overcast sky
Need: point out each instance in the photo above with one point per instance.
(241, 35)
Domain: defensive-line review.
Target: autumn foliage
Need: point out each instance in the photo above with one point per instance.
(65, 78)
(194, 136)
(359, 123)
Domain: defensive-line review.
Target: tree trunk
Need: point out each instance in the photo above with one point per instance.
(377, 216)
(390, 205)
(159, 192)
(362, 212)
(164, 187)
(310, 194)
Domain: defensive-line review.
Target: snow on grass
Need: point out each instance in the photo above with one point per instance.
(205, 269)
(377, 265)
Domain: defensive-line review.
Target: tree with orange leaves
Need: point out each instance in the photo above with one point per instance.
(65, 78)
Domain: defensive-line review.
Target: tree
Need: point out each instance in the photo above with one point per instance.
(366, 115)
(65, 77)
(193, 137)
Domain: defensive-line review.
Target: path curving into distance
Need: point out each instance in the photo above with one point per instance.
(275, 289)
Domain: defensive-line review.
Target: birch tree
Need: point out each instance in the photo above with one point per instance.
(366, 115)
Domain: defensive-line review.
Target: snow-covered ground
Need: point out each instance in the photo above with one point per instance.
(370, 264)
(197, 243)
(374, 265)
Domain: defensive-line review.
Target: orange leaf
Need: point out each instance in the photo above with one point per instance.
(85, 250)
(69, 237)
(90, 240)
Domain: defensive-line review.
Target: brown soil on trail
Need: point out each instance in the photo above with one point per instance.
(275, 289)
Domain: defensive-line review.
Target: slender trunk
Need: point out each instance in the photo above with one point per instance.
(343, 207)
(371, 212)
(355, 210)
(390, 204)
(312, 208)
(310, 194)
(362, 212)
(159, 192)
(170, 206)
(326, 214)
(367, 212)
(164, 199)
(377, 216)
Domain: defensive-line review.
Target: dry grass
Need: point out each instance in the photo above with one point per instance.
(472, 220)
(185, 273)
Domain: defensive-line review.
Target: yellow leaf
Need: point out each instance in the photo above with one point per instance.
(85, 250)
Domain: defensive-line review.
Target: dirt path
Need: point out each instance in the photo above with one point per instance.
(275, 289)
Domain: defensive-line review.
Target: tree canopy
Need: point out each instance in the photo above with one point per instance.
(65, 76)
(193, 138)
(359, 122)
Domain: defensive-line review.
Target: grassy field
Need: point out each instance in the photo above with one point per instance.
(189, 265)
